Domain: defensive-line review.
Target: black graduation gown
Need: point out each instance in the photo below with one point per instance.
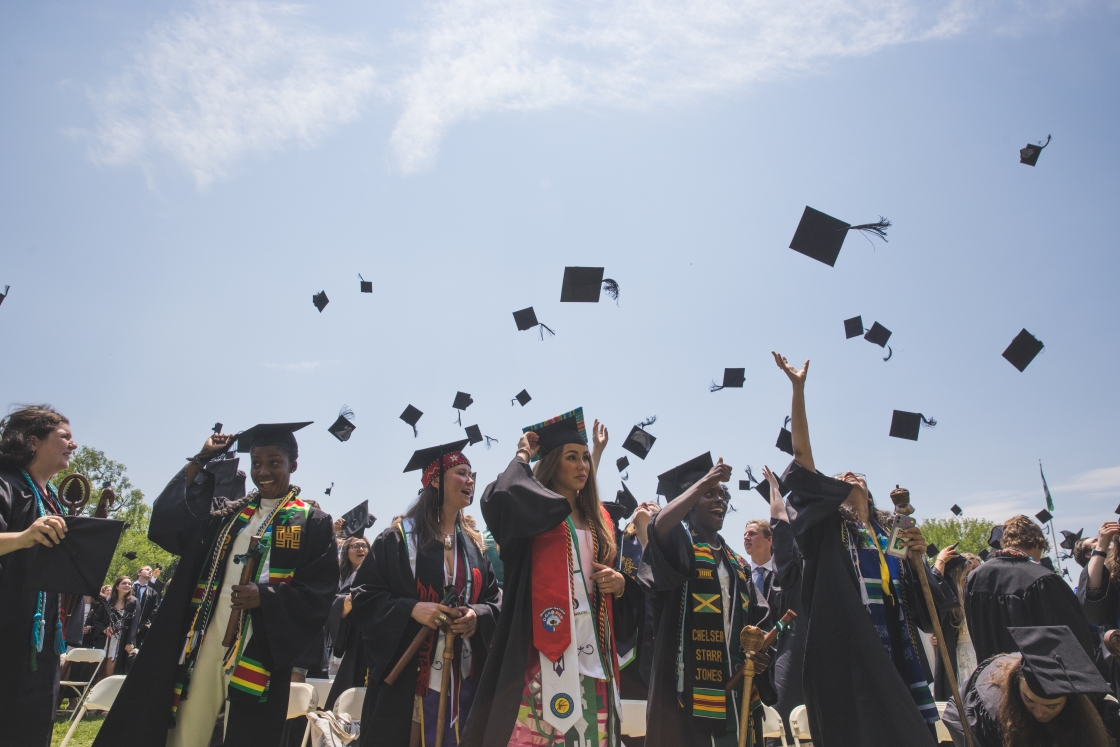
(384, 595)
(148, 606)
(666, 566)
(289, 615)
(28, 697)
(101, 617)
(789, 652)
(1100, 608)
(854, 695)
(517, 507)
(346, 644)
(634, 678)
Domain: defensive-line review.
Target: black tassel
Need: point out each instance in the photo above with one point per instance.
(928, 421)
(714, 387)
(513, 402)
(488, 440)
(610, 287)
(879, 228)
(750, 477)
(544, 328)
(889, 353)
(648, 422)
(788, 418)
(346, 412)
(1043, 145)
(415, 433)
(625, 475)
(459, 419)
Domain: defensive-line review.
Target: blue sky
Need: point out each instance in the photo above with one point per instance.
(177, 181)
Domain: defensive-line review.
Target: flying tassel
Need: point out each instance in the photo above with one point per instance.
(544, 328)
(879, 228)
(785, 424)
(459, 419)
(649, 421)
(750, 476)
(889, 353)
(714, 387)
(488, 440)
(610, 287)
(415, 433)
(1043, 145)
(930, 422)
(346, 412)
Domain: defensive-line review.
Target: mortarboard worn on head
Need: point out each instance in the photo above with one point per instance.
(820, 236)
(984, 555)
(669, 484)
(640, 441)
(785, 439)
(366, 285)
(527, 319)
(78, 564)
(130, 555)
(1023, 350)
(906, 424)
(411, 416)
(1043, 516)
(357, 520)
(343, 427)
(1054, 663)
(622, 463)
(732, 378)
(5, 293)
(522, 397)
(1070, 539)
(957, 510)
(853, 327)
(995, 537)
(1029, 155)
(567, 428)
(320, 300)
(583, 285)
(270, 434)
(434, 460)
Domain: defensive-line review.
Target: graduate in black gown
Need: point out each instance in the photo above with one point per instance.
(399, 591)
(863, 680)
(346, 639)
(178, 685)
(35, 446)
(635, 654)
(703, 595)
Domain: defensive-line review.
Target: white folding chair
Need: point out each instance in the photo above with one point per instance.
(943, 734)
(100, 698)
(301, 701)
(772, 726)
(322, 690)
(350, 703)
(633, 718)
(82, 656)
(799, 725)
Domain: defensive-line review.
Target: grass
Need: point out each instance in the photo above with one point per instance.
(83, 735)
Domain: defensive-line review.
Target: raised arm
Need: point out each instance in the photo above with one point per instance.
(777, 505)
(1098, 574)
(799, 425)
(673, 514)
(599, 438)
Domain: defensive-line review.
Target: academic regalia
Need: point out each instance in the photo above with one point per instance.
(386, 589)
(347, 645)
(635, 653)
(518, 510)
(854, 691)
(788, 653)
(186, 520)
(148, 596)
(672, 571)
(28, 695)
(1103, 613)
(103, 616)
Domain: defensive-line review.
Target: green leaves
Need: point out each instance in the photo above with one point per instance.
(971, 534)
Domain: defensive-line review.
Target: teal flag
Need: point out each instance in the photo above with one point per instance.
(1046, 489)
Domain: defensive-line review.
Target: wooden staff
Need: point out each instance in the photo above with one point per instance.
(752, 640)
(252, 559)
(417, 642)
(445, 684)
(768, 641)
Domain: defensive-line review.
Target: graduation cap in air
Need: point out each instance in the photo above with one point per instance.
(785, 439)
(640, 441)
(1043, 516)
(343, 427)
(820, 236)
(931, 551)
(217, 428)
(411, 416)
(436, 456)
(1023, 350)
(622, 463)
(366, 285)
(995, 537)
(853, 327)
(1054, 663)
(583, 285)
(357, 520)
(1029, 155)
(522, 397)
(906, 424)
(566, 428)
(474, 435)
(5, 293)
(130, 555)
(270, 434)
(878, 335)
(79, 563)
(669, 483)
(957, 510)
(462, 402)
(626, 500)
(320, 300)
(328, 490)
(527, 319)
(733, 378)
(1070, 539)
(762, 488)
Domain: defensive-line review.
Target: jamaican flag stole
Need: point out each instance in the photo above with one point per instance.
(708, 669)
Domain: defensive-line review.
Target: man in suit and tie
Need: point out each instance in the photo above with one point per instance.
(757, 541)
(147, 589)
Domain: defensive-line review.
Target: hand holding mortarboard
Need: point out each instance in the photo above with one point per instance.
(529, 443)
(46, 530)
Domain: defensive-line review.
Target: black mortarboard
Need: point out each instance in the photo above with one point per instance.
(217, 428)
(732, 378)
(328, 490)
(583, 285)
(270, 434)
(78, 564)
(627, 500)
(853, 327)
(878, 335)
(522, 397)
(1029, 155)
(820, 236)
(527, 319)
(931, 550)
(5, 293)
(474, 434)
(1022, 350)
(957, 510)
(462, 401)
(424, 458)
(1070, 539)
(130, 555)
(561, 430)
(1054, 663)
(411, 416)
(744, 485)
(984, 555)
(762, 488)
(785, 439)
(906, 424)
(1047, 562)
(995, 537)
(320, 300)
(639, 442)
(357, 520)
(669, 484)
(1043, 516)
(366, 285)
(343, 427)
(622, 463)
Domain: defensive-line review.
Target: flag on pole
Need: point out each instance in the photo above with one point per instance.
(1045, 488)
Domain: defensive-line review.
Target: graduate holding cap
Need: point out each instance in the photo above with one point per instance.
(35, 445)
(552, 675)
(426, 574)
(185, 675)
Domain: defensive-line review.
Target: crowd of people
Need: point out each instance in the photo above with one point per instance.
(536, 629)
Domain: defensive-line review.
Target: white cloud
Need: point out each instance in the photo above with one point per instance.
(226, 80)
(1096, 482)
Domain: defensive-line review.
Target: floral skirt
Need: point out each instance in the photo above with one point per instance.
(531, 730)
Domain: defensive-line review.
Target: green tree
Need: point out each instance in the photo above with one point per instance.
(970, 534)
(128, 507)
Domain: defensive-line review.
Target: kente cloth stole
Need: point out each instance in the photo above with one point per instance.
(871, 563)
(707, 669)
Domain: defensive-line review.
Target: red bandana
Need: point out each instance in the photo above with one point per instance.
(449, 461)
